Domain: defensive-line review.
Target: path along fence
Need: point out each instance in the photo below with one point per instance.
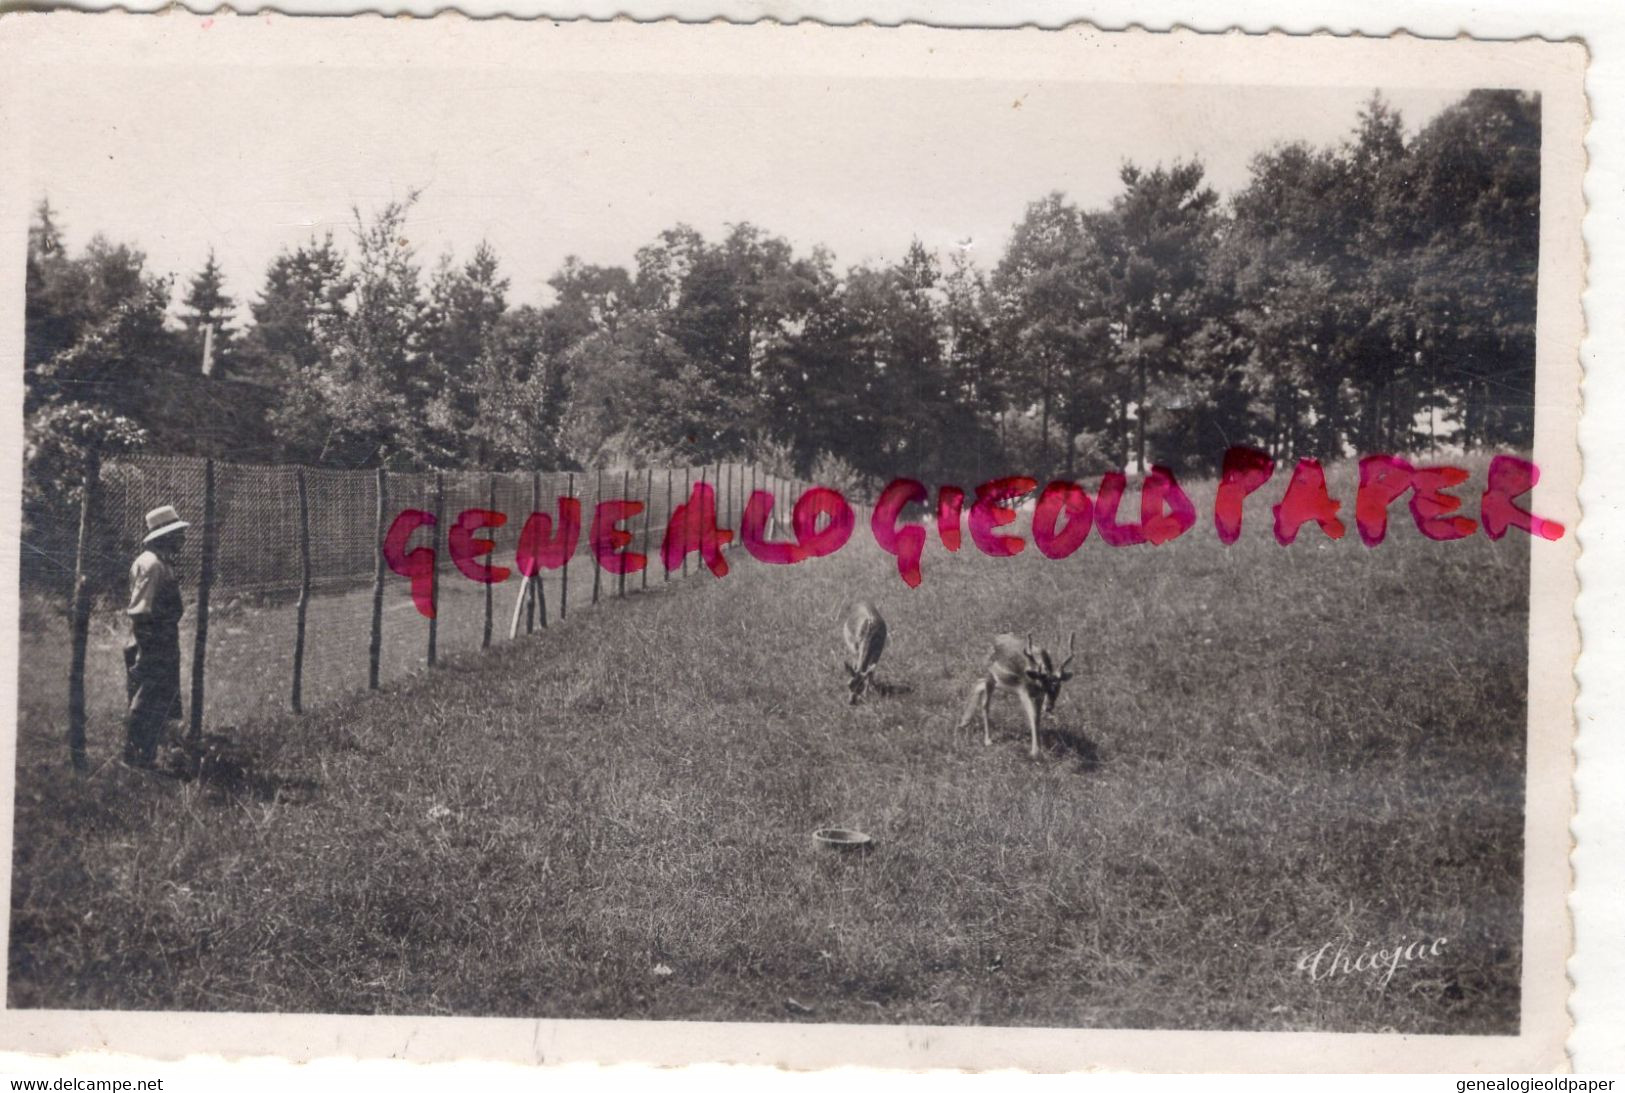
(290, 601)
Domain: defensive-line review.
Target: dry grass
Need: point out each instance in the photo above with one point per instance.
(1266, 749)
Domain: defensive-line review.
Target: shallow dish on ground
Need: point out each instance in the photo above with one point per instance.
(842, 838)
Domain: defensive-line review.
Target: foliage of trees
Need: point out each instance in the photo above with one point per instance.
(1379, 294)
(206, 315)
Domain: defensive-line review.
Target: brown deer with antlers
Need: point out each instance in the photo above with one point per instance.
(1026, 669)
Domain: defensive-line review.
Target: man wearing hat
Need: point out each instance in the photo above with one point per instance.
(152, 660)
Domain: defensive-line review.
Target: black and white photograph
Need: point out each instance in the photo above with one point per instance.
(626, 525)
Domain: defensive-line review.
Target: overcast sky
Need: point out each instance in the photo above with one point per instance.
(252, 161)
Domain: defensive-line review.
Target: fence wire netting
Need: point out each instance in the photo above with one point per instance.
(259, 533)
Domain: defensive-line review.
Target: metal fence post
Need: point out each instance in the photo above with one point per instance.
(79, 614)
(205, 579)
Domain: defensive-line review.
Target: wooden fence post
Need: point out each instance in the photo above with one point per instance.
(688, 492)
(726, 519)
(716, 496)
(564, 572)
(705, 472)
(434, 571)
(536, 580)
(666, 528)
(491, 498)
(296, 698)
(539, 588)
(597, 496)
(205, 578)
(375, 646)
(626, 490)
(648, 514)
(79, 614)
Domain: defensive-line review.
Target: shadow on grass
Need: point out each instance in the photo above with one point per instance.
(1075, 744)
(233, 771)
(890, 690)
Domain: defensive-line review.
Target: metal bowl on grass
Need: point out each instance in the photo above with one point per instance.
(842, 838)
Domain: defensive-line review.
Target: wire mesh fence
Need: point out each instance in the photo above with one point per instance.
(301, 608)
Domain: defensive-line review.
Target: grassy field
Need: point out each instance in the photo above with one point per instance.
(1265, 750)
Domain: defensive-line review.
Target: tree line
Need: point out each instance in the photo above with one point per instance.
(1378, 294)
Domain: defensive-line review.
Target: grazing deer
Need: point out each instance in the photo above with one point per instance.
(865, 636)
(1026, 669)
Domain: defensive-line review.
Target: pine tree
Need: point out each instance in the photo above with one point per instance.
(299, 314)
(55, 295)
(207, 305)
(466, 303)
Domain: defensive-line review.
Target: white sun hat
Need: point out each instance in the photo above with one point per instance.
(162, 521)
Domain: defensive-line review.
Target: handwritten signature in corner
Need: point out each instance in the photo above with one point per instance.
(1336, 958)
